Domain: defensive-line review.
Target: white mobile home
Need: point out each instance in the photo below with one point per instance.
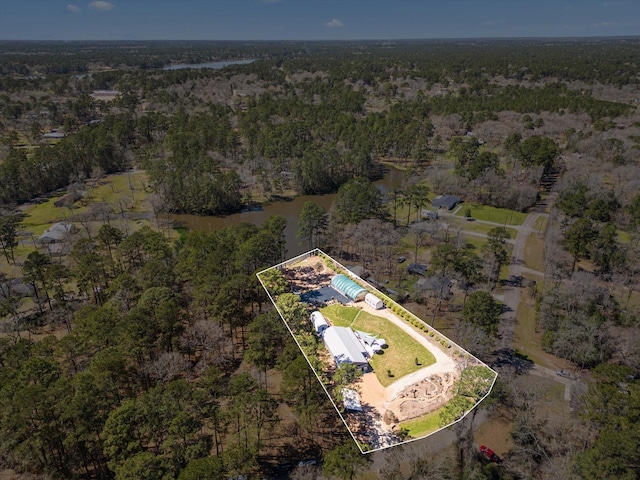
(373, 301)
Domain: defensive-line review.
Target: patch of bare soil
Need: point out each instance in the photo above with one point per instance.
(309, 274)
(423, 397)
(382, 412)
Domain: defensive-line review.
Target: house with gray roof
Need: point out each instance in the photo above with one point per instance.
(446, 201)
(57, 233)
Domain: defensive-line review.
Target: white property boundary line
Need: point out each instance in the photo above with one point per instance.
(317, 251)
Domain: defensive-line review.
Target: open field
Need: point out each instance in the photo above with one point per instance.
(419, 427)
(534, 253)
(123, 192)
(477, 227)
(122, 197)
(623, 237)
(540, 225)
(528, 339)
(492, 214)
(399, 358)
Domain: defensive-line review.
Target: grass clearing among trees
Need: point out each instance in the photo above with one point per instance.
(339, 315)
(478, 227)
(534, 253)
(403, 350)
(492, 214)
(399, 358)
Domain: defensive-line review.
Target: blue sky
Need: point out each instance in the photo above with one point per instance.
(313, 19)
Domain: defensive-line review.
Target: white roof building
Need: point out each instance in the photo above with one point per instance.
(319, 322)
(373, 301)
(345, 347)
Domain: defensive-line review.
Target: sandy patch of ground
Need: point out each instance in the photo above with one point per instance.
(308, 274)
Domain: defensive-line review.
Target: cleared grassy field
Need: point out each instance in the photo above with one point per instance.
(124, 192)
(340, 315)
(528, 340)
(421, 426)
(492, 214)
(40, 217)
(399, 358)
(540, 224)
(403, 350)
(534, 253)
(118, 191)
(478, 227)
(623, 237)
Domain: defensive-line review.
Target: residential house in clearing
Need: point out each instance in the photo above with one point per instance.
(417, 269)
(57, 233)
(446, 201)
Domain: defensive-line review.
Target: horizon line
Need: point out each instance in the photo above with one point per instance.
(414, 39)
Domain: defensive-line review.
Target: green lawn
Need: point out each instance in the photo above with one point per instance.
(40, 217)
(528, 339)
(623, 237)
(540, 224)
(492, 214)
(478, 227)
(534, 253)
(421, 426)
(339, 315)
(399, 358)
(402, 352)
(111, 190)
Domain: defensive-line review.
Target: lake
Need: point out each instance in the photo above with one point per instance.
(289, 209)
(213, 65)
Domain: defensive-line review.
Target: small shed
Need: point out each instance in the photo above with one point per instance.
(319, 322)
(358, 270)
(373, 301)
(429, 214)
(446, 201)
(350, 400)
(54, 135)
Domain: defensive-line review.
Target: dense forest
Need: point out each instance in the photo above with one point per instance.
(152, 353)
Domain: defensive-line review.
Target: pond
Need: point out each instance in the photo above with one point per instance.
(289, 209)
